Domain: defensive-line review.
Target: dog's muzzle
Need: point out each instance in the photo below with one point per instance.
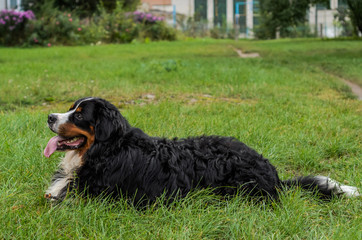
(52, 119)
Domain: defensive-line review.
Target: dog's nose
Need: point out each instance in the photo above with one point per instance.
(52, 119)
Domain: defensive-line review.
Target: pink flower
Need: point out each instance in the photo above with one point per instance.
(57, 22)
(36, 40)
(79, 29)
(70, 20)
(127, 30)
(49, 44)
(69, 15)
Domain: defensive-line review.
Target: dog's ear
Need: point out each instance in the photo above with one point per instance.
(109, 121)
(104, 128)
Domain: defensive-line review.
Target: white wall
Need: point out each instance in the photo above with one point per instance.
(6, 4)
(210, 13)
(249, 18)
(324, 21)
(185, 7)
(333, 4)
(229, 13)
(166, 8)
(2, 4)
(326, 18)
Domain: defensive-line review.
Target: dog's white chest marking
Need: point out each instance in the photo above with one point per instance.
(68, 166)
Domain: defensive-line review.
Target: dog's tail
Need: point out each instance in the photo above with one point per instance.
(325, 186)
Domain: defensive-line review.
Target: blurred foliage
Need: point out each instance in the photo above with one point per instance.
(355, 7)
(54, 26)
(282, 16)
(83, 8)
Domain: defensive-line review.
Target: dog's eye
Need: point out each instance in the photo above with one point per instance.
(78, 116)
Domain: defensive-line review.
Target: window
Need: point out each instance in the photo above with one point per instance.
(342, 3)
(219, 12)
(13, 4)
(241, 18)
(200, 10)
(322, 6)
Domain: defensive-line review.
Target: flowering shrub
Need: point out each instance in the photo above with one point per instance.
(158, 31)
(147, 18)
(12, 24)
(56, 28)
(118, 27)
(153, 27)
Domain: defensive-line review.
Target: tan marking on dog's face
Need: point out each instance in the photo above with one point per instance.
(70, 130)
(64, 117)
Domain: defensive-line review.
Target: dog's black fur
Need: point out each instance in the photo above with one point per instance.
(125, 161)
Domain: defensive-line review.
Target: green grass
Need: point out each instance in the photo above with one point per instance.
(289, 105)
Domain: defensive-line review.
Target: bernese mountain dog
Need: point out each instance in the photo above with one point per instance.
(106, 156)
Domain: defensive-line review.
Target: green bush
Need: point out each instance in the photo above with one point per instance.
(118, 27)
(56, 28)
(153, 27)
(124, 27)
(157, 31)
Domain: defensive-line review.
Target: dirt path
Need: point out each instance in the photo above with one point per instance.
(357, 90)
(245, 55)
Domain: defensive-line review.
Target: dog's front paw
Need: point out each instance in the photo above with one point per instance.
(50, 197)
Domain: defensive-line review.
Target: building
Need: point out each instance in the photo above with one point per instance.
(215, 12)
(245, 13)
(322, 21)
(10, 4)
(240, 14)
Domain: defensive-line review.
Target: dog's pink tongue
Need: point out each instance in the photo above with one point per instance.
(52, 146)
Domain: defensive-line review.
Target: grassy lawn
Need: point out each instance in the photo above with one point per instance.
(289, 105)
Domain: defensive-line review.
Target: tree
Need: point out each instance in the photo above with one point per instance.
(281, 15)
(355, 7)
(343, 18)
(83, 7)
